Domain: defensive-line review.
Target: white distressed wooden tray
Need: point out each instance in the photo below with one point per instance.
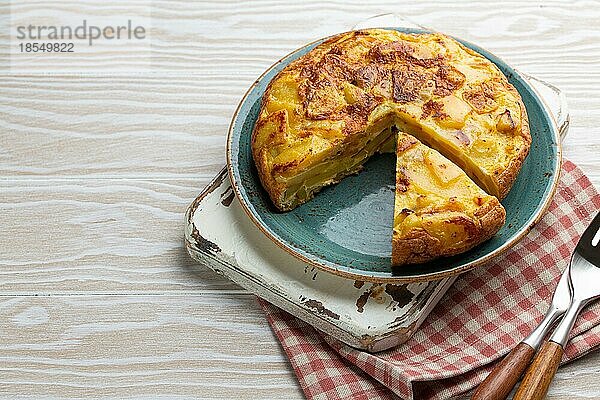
(368, 316)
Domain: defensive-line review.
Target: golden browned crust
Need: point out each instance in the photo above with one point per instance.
(329, 108)
(259, 154)
(404, 143)
(339, 89)
(418, 246)
(506, 177)
(274, 189)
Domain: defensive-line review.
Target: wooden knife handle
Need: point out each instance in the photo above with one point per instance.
(503, 378)
(539, 375)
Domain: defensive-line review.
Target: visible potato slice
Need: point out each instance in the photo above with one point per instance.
(439, 210)
(456, 111)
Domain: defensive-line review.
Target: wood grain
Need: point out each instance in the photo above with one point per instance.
(101, 153)
(498, 384)
(540, 373)
(142, 346)
(111, 127)
(98, 236)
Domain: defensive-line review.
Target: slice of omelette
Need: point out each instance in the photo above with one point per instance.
(438, 210)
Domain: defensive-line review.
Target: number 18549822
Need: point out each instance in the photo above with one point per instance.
(35, 47)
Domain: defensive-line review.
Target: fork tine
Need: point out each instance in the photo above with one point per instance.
(586, 247)
(590, 232)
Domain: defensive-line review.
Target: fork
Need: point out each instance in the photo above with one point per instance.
(498, 384)
(584, 280)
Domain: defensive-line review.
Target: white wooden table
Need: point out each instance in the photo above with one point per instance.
(99, 160)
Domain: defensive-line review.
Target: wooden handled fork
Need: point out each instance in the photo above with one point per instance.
(584, 276)
(505, 376)
(576, 288)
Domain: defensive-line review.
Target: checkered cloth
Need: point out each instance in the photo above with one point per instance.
(485, 313)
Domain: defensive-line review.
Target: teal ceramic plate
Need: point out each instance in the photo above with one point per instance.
(346, 229)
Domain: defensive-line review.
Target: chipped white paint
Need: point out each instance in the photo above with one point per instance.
(367, 316)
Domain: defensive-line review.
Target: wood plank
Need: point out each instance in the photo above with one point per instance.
(222, 36)
(146, 346)
(60, 126)
(112, 127)
(207, 54)
(176, 346)
(99, 236)
(66, 132)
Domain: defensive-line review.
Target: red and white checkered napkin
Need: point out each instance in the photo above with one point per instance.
(485, 313)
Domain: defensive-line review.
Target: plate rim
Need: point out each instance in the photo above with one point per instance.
(533, 219)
